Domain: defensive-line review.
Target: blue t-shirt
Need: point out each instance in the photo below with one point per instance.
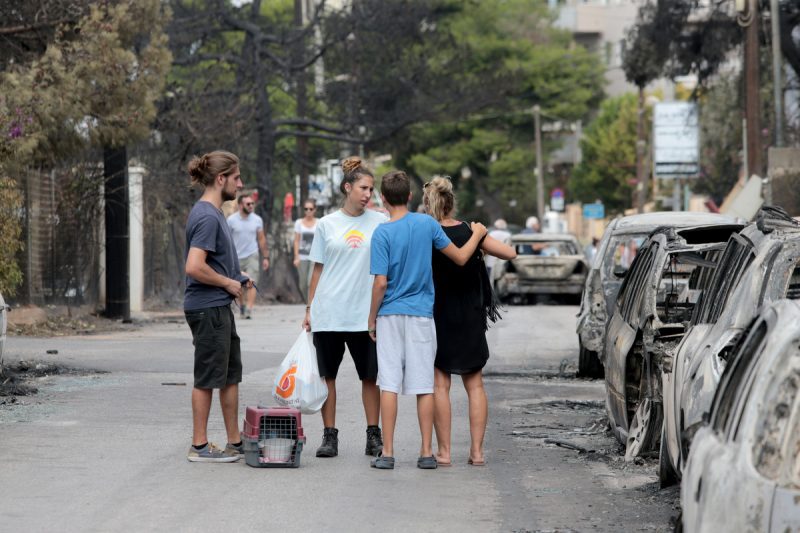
(208, 230)
(401, 251)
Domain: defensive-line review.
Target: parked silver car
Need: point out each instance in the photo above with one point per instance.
(760, 265)
(655, 302)
(546, 263)
(743, 471)
(612, 260)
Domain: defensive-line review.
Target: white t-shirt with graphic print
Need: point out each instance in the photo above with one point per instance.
(342, 244)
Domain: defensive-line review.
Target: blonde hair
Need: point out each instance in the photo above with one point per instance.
(353, 168)
(204, 169)
(439, 197)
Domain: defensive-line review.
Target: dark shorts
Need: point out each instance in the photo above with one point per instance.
(217, 356)
(330, 351)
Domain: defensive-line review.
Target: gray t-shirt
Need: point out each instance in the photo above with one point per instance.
(207, 229)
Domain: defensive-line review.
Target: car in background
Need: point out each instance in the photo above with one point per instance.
(760, 264)
(546, 264)
(654, 304)
(615, 253)
(743, 470)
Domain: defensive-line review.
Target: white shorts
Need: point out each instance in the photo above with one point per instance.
(406, 352)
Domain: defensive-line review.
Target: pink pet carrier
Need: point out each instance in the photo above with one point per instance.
(273, 437)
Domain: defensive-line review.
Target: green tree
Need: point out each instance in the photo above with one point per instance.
(76, 76)
(506, 58)
(720, 137)
(608, 168)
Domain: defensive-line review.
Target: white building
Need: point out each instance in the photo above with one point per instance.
(601, 27)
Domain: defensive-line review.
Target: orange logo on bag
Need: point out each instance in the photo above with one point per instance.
(285, 387)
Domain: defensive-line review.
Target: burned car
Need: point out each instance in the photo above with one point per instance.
(612, 260)
(743, 471)
(759, 265)
(546, 264)
(654, 304)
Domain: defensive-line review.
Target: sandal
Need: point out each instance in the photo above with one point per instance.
(382, 462)
(427, 463)
(475, 463)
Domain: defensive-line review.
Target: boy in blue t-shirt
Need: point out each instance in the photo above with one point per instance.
(401, 314)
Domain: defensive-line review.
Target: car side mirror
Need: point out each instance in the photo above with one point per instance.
(620, 271)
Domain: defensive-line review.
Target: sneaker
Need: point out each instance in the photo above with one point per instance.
(374, 441)
(210, 454)
(247, 315)
(232, 450)
(330, 443)
(242, 311)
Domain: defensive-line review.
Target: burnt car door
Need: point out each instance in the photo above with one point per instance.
(733, 262)
(623, 330)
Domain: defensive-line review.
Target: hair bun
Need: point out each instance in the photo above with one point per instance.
(350, 164)
(442, 184)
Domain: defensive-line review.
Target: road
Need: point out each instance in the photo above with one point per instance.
(106, 451)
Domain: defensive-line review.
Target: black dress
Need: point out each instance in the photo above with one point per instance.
(459, 308)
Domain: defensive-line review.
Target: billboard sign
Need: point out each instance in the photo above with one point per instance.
(676, 140)
(596, 210)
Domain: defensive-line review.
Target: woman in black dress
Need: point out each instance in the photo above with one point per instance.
(463, 306)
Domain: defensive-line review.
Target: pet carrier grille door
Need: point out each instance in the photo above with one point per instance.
(273, 437)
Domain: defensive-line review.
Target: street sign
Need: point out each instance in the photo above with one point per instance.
(557, 200)
(676, 140)
(594, 211)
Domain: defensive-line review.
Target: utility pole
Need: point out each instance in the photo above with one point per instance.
(752, 108)
(115, 173)
(641, 144)
(301, 102)
(777, 61)
(537, 125)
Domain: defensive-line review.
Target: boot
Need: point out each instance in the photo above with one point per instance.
(330, 443)
(374, 441)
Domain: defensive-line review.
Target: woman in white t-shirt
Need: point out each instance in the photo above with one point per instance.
(339, 297)
(303, 237)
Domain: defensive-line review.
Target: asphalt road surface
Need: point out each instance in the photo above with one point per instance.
(104, 448)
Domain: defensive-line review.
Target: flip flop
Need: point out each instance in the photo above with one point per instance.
(475, 463)
(443, 463)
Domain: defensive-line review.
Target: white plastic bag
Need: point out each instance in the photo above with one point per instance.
(298, 383)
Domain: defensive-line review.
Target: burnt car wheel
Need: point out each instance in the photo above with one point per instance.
(645, 415)
(589, 365)
(666, 474)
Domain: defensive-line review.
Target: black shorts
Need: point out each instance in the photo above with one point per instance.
(217, 355)
(330, 351)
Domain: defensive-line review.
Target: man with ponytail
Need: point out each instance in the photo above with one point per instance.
(213, 280)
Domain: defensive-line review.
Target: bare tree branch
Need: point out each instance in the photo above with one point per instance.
(315, 135)
(307, 122)
(10, 30)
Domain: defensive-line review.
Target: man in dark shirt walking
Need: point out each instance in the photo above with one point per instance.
(213, 280)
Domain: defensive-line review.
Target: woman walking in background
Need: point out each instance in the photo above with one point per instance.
(339, 298)
(303, 237)
(463, 305)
